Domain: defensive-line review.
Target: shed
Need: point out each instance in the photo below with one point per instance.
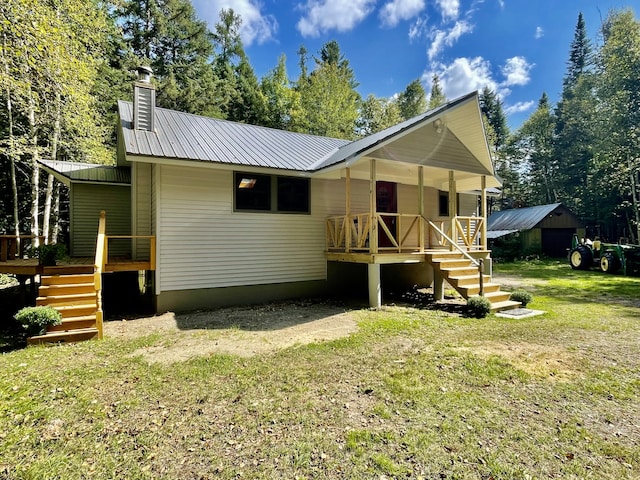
(544, 229)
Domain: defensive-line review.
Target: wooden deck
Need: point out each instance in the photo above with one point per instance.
(30, 266)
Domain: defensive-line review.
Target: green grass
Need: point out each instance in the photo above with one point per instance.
(413, 394)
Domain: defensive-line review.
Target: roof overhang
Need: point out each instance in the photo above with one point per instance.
(88, 173)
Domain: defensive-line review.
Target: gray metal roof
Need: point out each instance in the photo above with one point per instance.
(519, 218)
(186, 136)
(491, 234)
(87, 172)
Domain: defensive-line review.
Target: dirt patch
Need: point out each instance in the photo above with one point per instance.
(547, 361)
(243, 331)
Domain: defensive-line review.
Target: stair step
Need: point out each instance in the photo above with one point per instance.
(66, 289)
(460, 271)
(66, 279)
(505, 305)
(74, 323)
(69, 311)
(71, 336)
(496, 297)
(466, 280)
(474, 289)
(453, 263)
(74, 299)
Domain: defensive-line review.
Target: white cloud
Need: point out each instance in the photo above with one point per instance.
(539, 33)
(256, 26)
(462, 76)
(418, 29)
(395, 11)
(516, 71)
(519, 107)
(441, 38)
(450, 9)
(324, 15)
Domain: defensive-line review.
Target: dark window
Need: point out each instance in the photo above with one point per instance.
(443, 203)
(253, 192)
(293, 194)
(268, 193)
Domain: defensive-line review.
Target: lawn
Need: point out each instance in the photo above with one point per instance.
(413, 393)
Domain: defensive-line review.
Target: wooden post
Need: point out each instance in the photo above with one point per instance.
(347, 209)
(421, 207)
(438, 285)
(375, 285)
(483, 240)
(373, 224)
(453, 207)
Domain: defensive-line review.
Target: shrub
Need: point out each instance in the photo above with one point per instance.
(48, 254)
(478, 307)
(35, 320)
(521, 296)
(7, 279)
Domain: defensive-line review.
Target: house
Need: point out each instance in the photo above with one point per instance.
(544, 229)
(224, 213)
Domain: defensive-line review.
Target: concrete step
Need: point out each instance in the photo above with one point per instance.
(66, 279)
(64, 337)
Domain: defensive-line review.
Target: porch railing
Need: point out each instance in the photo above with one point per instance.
(13, 247)
(350, 233)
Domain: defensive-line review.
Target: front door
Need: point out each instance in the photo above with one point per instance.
(387, 202)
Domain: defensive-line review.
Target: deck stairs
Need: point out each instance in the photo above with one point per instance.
(463, 276)
(74, 296)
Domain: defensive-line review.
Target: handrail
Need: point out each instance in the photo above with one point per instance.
(99, 265)
(454, 244)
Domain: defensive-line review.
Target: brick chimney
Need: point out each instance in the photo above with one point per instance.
(144, 101)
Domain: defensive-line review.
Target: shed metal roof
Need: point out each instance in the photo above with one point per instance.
(519, 218)
(87, 172)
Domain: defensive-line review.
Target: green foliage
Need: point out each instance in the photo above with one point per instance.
(478, 307)
(437, 96)
(412, 101)
(521, 296)
(376, 114)
(48, 253)
(35, 320)
(7, 279)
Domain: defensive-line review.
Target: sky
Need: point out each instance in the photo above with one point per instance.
(518, 48)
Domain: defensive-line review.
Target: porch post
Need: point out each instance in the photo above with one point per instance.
(375, 286)
(421, 207)
(483, 196)
(373, 224)
(347, 210)
(453, 206)
(438, 285)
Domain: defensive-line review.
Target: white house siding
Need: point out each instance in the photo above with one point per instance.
(203, 243)
(87, 201)
(142, 201)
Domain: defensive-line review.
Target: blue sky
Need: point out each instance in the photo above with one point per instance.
(519, 48)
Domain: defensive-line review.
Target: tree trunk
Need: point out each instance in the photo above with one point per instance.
(35, 173)
(12, 152)
(55, 232)
(635, 189)
(46, 221)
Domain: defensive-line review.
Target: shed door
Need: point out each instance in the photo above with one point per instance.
(555, 241)
(387, 202)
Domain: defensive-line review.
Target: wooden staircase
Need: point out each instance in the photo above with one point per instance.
(74, 295)
(462, 274)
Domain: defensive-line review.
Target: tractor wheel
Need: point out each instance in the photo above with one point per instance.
(609, 263)
(580, 258)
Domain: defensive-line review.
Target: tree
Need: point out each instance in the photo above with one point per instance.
(436, 97)
(376, 114)
(493, 112)
(282, 101)
(329, 100)
(532, 143)
(617, 160)
(412, 101)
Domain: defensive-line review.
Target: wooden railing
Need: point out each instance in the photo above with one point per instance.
(99, 264)
(144, 264)
(14, 247)
(350, 233)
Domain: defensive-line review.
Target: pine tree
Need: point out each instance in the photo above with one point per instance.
(436, 97)
(412, 101)
(491, 108)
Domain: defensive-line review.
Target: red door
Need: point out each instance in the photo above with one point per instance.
(387, 202)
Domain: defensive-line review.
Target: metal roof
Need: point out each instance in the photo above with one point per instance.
(186, 136)
(68, 172)
(519, 218)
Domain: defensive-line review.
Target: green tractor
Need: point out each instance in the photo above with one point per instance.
(609, 257)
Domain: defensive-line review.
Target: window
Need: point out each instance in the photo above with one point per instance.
(443, 203)
(270, 193)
